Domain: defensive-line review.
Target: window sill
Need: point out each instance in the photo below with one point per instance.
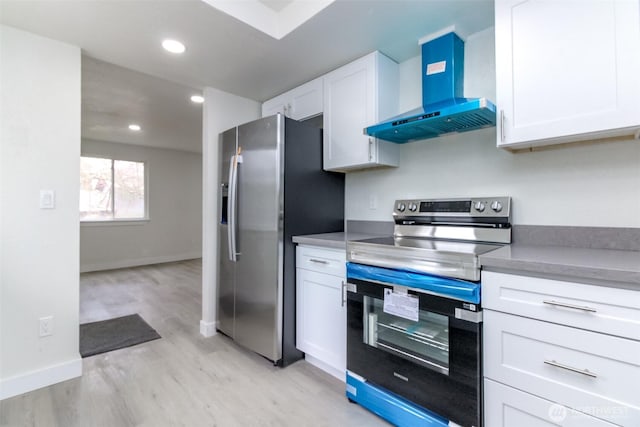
(114, 222)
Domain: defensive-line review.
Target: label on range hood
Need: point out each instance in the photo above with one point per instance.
(436, 67)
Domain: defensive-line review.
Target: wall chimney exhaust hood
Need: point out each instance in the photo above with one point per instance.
(444, 110)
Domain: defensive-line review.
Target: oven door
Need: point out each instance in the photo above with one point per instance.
(409, 342)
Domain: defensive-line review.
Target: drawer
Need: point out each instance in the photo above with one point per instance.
(507, 407)
(322, 260)
(583, 370)
(596, 308)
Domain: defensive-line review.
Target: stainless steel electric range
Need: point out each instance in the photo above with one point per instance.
(414, 311)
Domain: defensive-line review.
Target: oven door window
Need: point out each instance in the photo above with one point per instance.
(425, 342)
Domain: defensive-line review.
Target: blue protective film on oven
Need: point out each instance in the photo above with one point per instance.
(391, 407)
(453, 288)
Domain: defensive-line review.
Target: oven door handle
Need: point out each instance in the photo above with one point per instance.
(441, 267)
(436, 266)
(408, 277)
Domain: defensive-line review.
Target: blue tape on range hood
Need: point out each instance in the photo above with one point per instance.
(470, 114)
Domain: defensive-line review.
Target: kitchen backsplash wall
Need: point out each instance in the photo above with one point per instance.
(594, 184)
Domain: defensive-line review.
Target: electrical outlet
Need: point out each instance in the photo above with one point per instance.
(373, 202)
(46, 326)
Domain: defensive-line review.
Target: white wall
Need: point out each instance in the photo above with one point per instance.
(174, 229)
(39, 149)
(588, 185)
(221, 111)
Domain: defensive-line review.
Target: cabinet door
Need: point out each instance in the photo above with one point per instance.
(351, 103)
(507, 407)
(275, 105)
(305, 101)
(321, 318)
(299, 103)
(580, 369)
(566, 70)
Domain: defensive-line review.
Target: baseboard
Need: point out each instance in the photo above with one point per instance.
(341, 375)
(125, 263)
(34, 380)
(208, 329)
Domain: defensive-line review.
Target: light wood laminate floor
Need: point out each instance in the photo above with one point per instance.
(182, 379)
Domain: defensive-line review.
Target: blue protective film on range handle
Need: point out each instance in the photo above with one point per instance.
(453, 288)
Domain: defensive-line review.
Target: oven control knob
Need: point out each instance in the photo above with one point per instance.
(413, 207)
(496, 206)
(401, 207)
(479, 206)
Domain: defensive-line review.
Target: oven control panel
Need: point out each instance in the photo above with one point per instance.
(495, 207)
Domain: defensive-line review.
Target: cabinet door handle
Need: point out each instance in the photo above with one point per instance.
(370, 149)
(501, 125)
(572, 306)
(571, 368)
(344, 284)
(318, 261)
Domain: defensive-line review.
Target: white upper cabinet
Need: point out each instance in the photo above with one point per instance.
(299, 103)
(566, 70)
(358, 95)
(275, 105)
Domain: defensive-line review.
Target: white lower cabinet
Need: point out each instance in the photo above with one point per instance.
(559, 353)
(612, 311)
(581, 369)
(320, 308)
(508, 407)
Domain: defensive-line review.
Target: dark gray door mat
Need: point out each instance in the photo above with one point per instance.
(112, 334)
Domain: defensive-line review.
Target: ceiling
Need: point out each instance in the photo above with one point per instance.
(276, 5)
(114, 97)
(275, 18)
(222, 51)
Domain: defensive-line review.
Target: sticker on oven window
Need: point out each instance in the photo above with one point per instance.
(401, 305)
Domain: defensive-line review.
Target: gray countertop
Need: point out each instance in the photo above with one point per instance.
(331, 240)
(606, 267)
(597, 266)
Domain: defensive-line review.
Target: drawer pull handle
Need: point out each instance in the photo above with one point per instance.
(343, 293)
(570, 368)
(573, 306)
(318, 261)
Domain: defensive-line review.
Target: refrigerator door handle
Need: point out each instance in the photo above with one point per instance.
(231, 209)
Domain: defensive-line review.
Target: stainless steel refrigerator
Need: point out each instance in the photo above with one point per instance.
(272, 187)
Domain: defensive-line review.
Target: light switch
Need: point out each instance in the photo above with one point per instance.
(47, 199)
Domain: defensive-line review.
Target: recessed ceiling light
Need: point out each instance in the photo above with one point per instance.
(134, 127)
(173, 46)
(197, 99)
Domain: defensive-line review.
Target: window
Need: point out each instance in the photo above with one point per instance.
(111, 189)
